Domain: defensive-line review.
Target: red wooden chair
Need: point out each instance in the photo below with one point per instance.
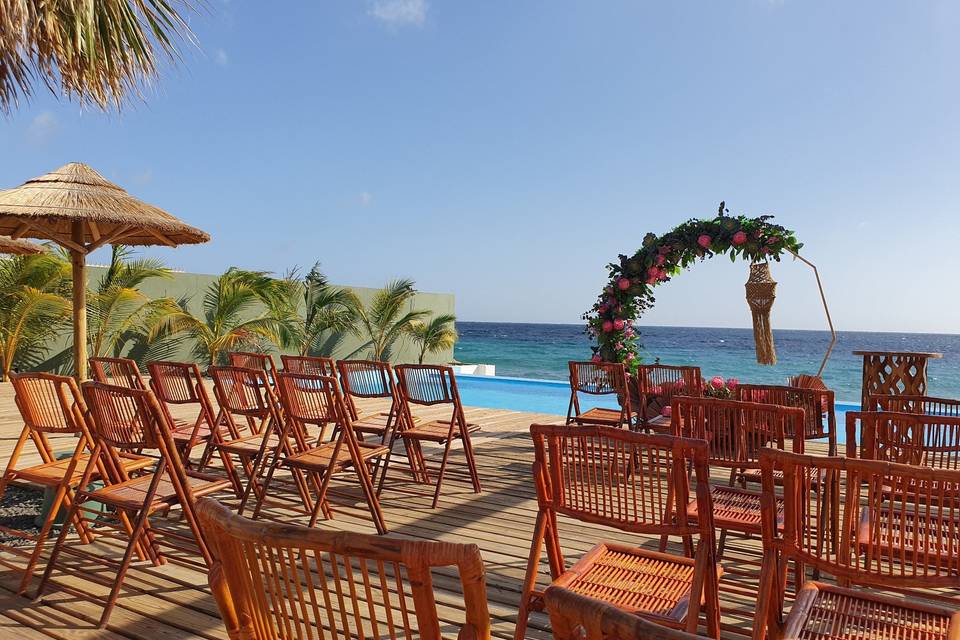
(429, 385)
(122, 372)
(310, 365)
(736, 433)
(283, 581)
(818, 406)
(259, 361)
(656, 386)
(52, 406)
(250, 412)
(126, 420)
(578, 617)
(177, 384)
(920, 439)
(916, 404)
(369, 379)
(599, 379)
(317, 400)
(891, 541)
(632, 482)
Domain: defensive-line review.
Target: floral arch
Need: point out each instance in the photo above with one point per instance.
(629, 293)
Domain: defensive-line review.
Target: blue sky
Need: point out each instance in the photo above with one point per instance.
(506, 151)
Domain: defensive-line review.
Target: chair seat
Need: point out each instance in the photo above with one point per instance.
(435, 431)
(247, 445)
(652, 584)
(183, 431)
(319, 458)
(826, 611)
(892, 531)
(51, 474)
(753, 475)
(600, 415)
(132, 493)
(736, 509)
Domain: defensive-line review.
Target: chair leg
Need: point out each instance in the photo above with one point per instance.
(42, 538)
(530, 577)
(443, 466)
(471, 463)
(72, 515)
(138, 529)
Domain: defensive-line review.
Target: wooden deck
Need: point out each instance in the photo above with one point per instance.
(172, 601)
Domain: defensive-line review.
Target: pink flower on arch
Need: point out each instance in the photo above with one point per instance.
(618, 324)
(665, 249)
(651, 280)
(631, 356)
(608, 326)
(618, 346)
(739, 238)
(717, 382)
(623, 283)
(704, 241)
(732, 384)
(660, 259)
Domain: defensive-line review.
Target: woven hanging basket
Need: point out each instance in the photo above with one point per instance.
(761, 292)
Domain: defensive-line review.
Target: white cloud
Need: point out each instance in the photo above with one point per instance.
(43, 127)
(221, 58)
(399, 13)
(365, 199)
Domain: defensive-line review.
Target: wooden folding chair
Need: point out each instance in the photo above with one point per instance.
(251, 414)
(736, 433)
(121, 372)
(178, 384)
(311, 365)
(126, 420)
(259, 361)
(599, 379)
(309, 399)
(635, 483)
(817, 404)
(369, 379)
(902, 540)
(52, 406)
(922, 439)
(283, 581)
(916, 404)
(656, 386)
(577, 617)
(429, 385)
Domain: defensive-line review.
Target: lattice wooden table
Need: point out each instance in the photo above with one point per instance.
(893, 373)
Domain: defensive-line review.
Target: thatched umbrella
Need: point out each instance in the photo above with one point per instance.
(20, 247)
(82, 211)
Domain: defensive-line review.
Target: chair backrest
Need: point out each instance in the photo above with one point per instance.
(366, 379)
(622, 479)
(736, 431)
(658, 383)
(309, 399)
(250, 360)
(275, 580)
(887, 538)
(315, 366)
(598, 378)
(49, 403)
(577, 617)
(242, 391)
(124, 419)
(427, 384)
(120, 372)
(818, 405)
(176, 382)
(916, 404)
(909, 438)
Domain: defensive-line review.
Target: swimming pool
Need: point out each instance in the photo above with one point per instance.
(551, 396)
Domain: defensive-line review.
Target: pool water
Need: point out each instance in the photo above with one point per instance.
(550, 396)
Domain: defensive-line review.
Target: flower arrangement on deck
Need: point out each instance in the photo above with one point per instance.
(629, 291)
(717, 387)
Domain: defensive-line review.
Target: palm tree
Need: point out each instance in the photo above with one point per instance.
(434, 336)
(388, 317)
(118, 312)
(34, 308)
(241, 310)
(99, 52)
(329, 313)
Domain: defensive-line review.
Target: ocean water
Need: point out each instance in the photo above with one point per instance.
(542, 351)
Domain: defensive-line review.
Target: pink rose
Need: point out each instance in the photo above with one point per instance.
(732, 384)
(739, 238)
(772, 240)
(618, 324)
(667, 411)
(607, 326)
(758, 234)
(665, 249)
(618, 346)
(596, 358)
(660, 259)
(704, 241)
(628, 332)
(663, 275)
(716, 382)
(630, 356)
(651, 280)
(764, 250)
(623, 283)
(653, 272)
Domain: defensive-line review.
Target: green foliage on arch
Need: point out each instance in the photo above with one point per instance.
(629, 293)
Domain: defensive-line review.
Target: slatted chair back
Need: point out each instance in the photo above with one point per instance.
(243, 392)
(259, 361)
(177, 382)
(277, 580)
(737, 431)
(124, 419)
(916, 404)
(311, 365)
(621, 479)
(576, 617)
(311, 400)
(909, 438)
(598, 379)
(49, 404)
(658, 383)
(428, 385)
(820, 417)
(888, 539)
(366, 379)
(121, 372)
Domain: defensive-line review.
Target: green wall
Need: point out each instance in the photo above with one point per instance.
(193, 286)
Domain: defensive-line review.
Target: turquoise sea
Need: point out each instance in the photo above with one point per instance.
(542, 351)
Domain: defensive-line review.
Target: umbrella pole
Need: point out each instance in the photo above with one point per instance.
(78, 261)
